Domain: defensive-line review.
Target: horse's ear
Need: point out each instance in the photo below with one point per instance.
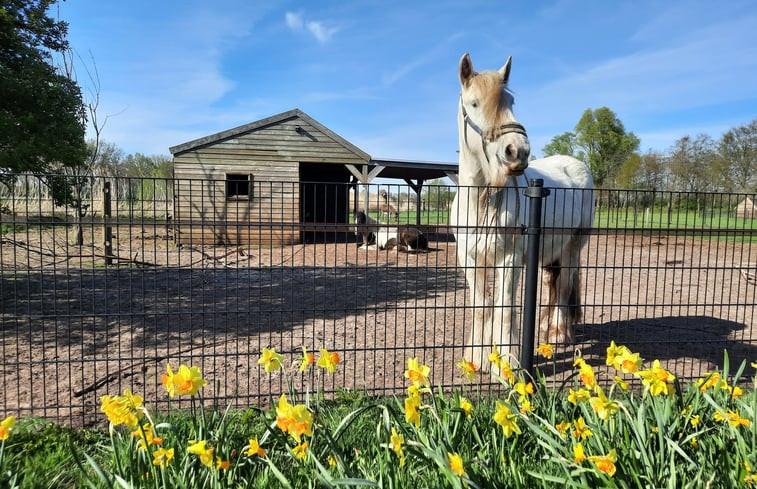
(505, 70)
(465, 71)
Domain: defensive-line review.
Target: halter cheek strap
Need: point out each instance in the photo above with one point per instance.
(489, 135)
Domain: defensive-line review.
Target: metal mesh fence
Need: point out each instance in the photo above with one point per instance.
(101, 291)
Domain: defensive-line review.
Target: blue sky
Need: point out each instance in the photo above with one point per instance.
(384, 74)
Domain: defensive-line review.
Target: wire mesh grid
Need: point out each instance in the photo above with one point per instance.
(101, 291)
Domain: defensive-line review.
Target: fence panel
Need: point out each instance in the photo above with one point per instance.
(203, 273)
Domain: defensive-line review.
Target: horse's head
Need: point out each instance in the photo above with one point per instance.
(489, 131)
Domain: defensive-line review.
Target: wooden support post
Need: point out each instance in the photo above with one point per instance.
(107, 229)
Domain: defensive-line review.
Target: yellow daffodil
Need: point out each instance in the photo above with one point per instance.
(254, 449)
(622, 383)
(506, 371)
(605, 463)
(307, 360)
(585, 373)
(126, 409)
(580, 429)
(562, 428)
(332, 461)
(328, 360)
(294, 419)
(413, 410)
(710, 380)
(546, 350)
(524, 389)
(270, 360)
(504, 417)
(525, 405)
(204, 452)
(417, 373)
(612, 352)
(396, 441)
(629, 363)
(469, 369)
(694, 420)
(658, 379)
(466, 406)
(733, 418)
(187, 381)
(578, 453)
(6, 426)
(603, 406)
(162, 457)
(301, 450)
(495, 358)
(578, 396)
(222, 464)
(146, 436)
(456, 464)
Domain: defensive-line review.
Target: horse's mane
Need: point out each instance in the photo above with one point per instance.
(492, 90)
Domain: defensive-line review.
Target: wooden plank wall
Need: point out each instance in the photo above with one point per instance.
(272, 155)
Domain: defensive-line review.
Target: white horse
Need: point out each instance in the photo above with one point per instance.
(489, 208)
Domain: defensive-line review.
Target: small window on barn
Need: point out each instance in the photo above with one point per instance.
(238, 186)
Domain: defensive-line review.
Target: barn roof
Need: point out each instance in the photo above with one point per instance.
(405, 169)
(268, 121)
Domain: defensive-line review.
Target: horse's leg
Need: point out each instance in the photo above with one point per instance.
(565, 299)
(479, 338)
(506, 331)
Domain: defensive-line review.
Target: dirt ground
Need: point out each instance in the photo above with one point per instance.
(74, 330)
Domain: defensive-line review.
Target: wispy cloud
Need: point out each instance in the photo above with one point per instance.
(297, 22)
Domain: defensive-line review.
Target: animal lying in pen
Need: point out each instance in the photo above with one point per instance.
(405, 238)
(366, 227)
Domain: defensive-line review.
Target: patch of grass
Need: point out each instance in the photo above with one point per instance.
(584, 436)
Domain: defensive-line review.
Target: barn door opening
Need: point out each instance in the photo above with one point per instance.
(324, 202)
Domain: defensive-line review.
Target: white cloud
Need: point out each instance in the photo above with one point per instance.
(321, 32)
(296, 21)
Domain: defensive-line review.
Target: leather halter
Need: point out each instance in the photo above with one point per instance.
(490, 135)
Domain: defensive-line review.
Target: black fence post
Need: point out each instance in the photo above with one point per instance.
(535, 192)
(107, 227)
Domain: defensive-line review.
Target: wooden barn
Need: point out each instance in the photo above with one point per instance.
(285, 179)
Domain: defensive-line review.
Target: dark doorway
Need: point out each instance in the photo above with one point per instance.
(324, 199)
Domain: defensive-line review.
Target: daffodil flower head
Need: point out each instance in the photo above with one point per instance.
(270, 360)
(504, 417)
(456, 464)
(6, 426)
(417, 373)
(307, 360)
(328, 360)
(469, 369)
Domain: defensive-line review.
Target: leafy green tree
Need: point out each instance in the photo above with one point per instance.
(691, 163)
(437, 194)
(564, 144)
(42, 115)
(605, 143)
(599, 139)
(738, 149)
(643, 172)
